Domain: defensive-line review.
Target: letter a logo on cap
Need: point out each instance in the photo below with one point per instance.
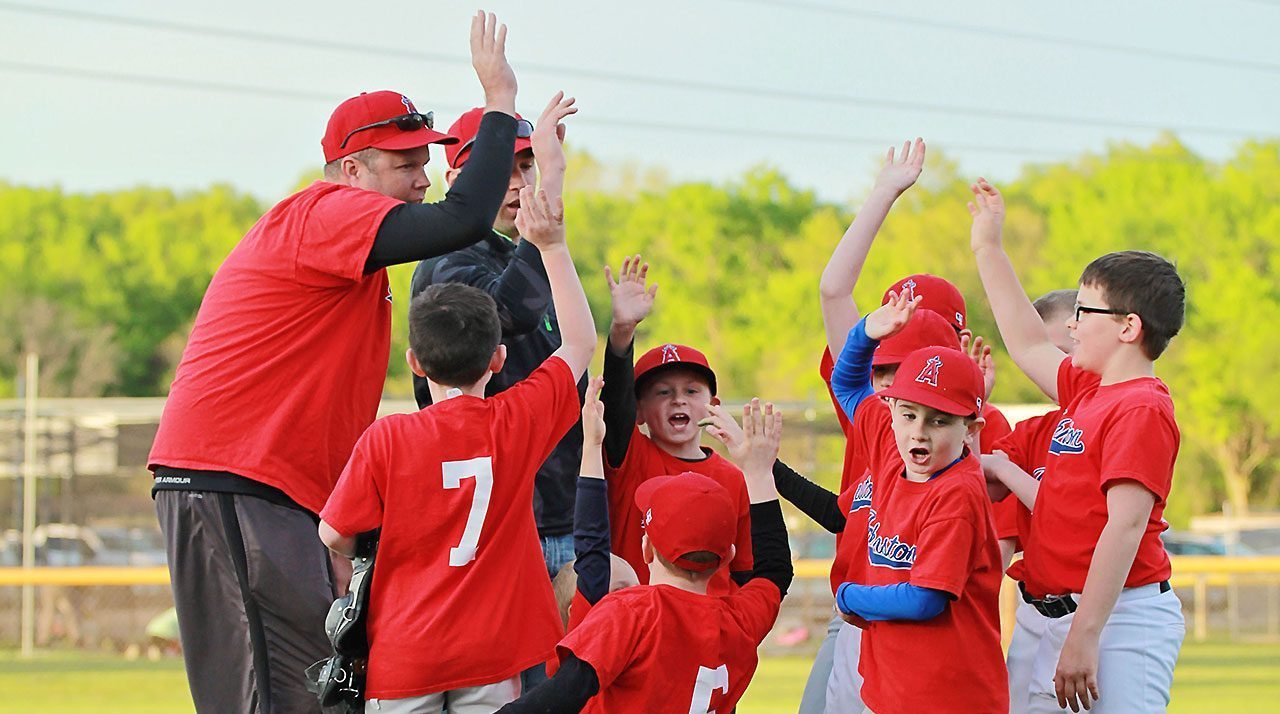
(669, 354)
(929, 375)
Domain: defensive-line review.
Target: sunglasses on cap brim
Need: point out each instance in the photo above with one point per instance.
(524, 130)
(413, 121)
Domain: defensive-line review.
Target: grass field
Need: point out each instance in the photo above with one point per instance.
(1211, 677)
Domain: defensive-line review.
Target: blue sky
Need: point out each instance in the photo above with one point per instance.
(816, 88)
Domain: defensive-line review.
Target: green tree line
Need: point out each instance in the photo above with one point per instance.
(105, 286)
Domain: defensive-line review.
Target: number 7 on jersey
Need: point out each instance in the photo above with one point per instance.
(481, 469)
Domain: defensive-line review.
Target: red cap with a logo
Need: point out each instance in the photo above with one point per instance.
(371, 108)
(925, 329)
(935, 293)
(685, 514)
(940, 377)
(464, 132)
(673, 355)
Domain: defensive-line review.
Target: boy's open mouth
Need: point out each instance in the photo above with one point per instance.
(679, 419)
(919, 455)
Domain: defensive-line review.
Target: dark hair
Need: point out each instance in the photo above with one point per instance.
(1056, 302)
(697, 556)
(1146, 285)
(453, 331)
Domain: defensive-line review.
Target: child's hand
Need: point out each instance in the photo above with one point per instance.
(763, 429)
(981, 355)
(991, 463)
(632, 301)
(987, 209)
(889, 319)
(900, 175)
(593, 413)
(538, 221)
(724, 429)
(548, 133)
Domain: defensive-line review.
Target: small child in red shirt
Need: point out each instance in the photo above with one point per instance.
(671, 646)
(450, 487)
(929, 597)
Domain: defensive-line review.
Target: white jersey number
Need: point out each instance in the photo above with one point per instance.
(454, 472)
(709, 680)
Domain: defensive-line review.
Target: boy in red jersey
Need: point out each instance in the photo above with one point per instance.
(672, 646)
(668, 390)
(928, 598)
(450, 489)
(1094, 566)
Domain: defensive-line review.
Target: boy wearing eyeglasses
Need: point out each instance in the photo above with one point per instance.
(1108, 627)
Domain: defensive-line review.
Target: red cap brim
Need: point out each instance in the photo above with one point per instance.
(928, 397)
(403, 140)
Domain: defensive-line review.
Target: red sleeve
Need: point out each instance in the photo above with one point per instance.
(606, 639)
(1140, 444)
(949, 543)
(542, 407)
(825, 368)
(755, 607)
(355, 505)
(996, 428)
(872, 437)
(338, 235)
(1072, 381)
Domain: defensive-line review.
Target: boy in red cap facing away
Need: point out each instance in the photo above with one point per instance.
(450, 489)
(929, 596)
(668, 390)
(672, 646)
(1094, 567)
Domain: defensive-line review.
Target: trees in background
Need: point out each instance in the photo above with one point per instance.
(106, 285)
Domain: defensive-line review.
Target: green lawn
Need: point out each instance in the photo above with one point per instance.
(1212, 677)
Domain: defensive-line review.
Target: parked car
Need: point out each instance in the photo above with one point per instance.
(1183, 543)
(130, 546)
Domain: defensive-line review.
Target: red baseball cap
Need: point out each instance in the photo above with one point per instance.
(370, 108)
(671, 355)
(926, 329)
(686, 514)
(464, 132)
(935, 293)
(944, 378)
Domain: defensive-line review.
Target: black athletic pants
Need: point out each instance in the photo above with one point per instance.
(252, 584)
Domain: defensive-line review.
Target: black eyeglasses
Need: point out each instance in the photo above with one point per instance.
(1081, 310)
(524, 130)
(412, 121)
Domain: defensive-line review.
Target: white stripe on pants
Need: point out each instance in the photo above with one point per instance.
(1137, 652)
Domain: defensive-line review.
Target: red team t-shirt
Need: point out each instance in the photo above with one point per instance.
(1006, 509)
(1107, 434)
(285, 364)
(938, 534)
(460, 595)
(645, 460)
(1027, 448)
(854, 469)
(659, 649)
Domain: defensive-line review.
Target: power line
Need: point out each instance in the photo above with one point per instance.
(642, 80)
(606, 122)
(1148, 52)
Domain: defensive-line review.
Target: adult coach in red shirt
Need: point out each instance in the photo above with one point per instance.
(283, 371)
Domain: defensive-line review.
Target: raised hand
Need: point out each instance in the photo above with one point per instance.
(593, 413)
(980, 352)
(540, 220)
(548, 133)
(889, 319)
(763, 430)
(987, 210)
(632, 299)
(722, 427)
(898, 175)
(489, 59)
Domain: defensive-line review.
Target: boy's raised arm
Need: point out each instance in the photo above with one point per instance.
(839, 313)
(541, 222)
(1020, 326)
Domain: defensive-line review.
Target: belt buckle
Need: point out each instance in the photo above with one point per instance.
(1056, 606)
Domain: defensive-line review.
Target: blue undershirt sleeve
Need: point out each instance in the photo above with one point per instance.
(902, 601)
(851, 374)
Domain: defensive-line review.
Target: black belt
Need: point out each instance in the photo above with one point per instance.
(1055, 606)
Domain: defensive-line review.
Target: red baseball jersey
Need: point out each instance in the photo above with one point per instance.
(451, 488)
(1028, 448)
(285, 364)
(645, 460)
(658, 649)
(853, 469)
(1006, 509)
(936, 534)
(1106, 434)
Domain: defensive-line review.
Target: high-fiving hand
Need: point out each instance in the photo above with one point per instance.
(900, 174)
(889, 319)
(632, 299)
(540, 220)
(987, 210)
(548, 133)
(489, 59)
